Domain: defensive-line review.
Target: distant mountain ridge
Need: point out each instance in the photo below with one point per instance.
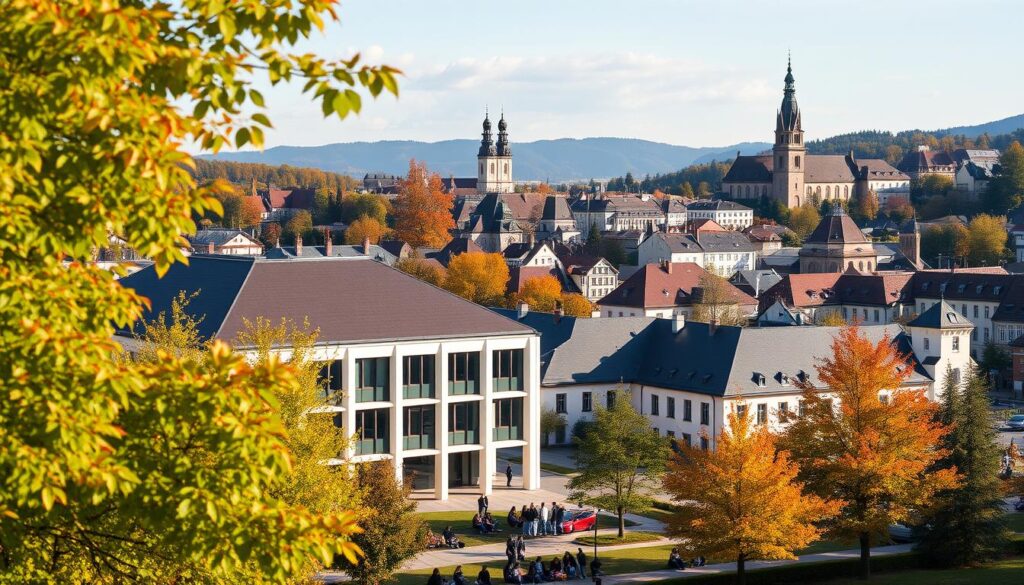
(563, 159)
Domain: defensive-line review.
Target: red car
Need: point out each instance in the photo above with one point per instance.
(578, 521)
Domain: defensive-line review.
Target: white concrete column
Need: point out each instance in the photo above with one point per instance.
(531, 414)
(487, 457)
(349, 398)
(441, 424)
(397, 413)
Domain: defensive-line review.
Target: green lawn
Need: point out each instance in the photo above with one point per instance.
(1015, 521)
(613, 539)
(1006, 572)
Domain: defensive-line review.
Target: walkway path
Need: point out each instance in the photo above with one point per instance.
(544, 546)
(653, 576)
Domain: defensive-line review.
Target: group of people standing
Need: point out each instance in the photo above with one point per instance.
(534, 521)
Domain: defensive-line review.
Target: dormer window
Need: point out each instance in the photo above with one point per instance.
(760, 380)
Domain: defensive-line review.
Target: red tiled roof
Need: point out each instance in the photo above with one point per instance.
(665, 285)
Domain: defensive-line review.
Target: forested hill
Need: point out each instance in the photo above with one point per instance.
(281, 176)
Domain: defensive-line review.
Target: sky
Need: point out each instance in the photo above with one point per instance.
(695, 73)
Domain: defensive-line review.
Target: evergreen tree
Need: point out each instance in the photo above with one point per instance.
(686, 190)
(968, 528)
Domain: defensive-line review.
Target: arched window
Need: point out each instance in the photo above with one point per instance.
(481, 168)
(748, 191)
(764, 190)
(798, 201)
(808, 190)
(828, 191)
(780, 162)
(860, 265)
(506, 169)
(797, 161)
(797, 138)
(492, 168)
(846, 192)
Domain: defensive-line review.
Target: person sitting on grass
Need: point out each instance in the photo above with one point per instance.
(435, 578)
(457, 577)
(483, 577)
(675, 560)
(433, 540)
(569, 565)
(536, 572)
(514, 575)
(555, 569)
(513, 519)
(450, 539)
(697, 562)
(489, 523)
(478, 524)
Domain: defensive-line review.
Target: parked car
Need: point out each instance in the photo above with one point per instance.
(1015, 422)
(578, 520)
(901, 533)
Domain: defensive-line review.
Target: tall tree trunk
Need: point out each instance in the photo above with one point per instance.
(865, 556)
(622, 521)
(741, 569)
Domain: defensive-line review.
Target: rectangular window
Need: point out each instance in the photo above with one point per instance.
(331, 379)
(654, 405)
(609, 400)
(687, 439)
(418, 376)
(705, 413)
(762, 414)
(657, 431)
(688, 410)
(372, 428)
(986, 312)
(783, 410)
(372, 379)
(741, 410)
(419, 427)
(560, 407)
(956, 343)
(801, 408)
(463, 423)
(704, 443)
(975, 310)
(464, 373)
(926, 344)
(986, 335)
(876, 316)
(588, 402)
(670, 434)
(508, 370)
(671, 406)
(508, 419)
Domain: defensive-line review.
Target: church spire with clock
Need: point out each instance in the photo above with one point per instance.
(788, 153)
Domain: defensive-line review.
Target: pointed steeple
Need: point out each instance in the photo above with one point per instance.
(789, 113)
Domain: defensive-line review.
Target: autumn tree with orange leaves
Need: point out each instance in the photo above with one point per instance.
(742, 499)
(478, 276)
(542, 293)
(366, 227)
(423, 211)
(875, 455)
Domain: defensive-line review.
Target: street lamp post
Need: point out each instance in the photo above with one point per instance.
(597, 511)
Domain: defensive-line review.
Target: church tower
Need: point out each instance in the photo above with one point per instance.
(789, 151)
(494, 163)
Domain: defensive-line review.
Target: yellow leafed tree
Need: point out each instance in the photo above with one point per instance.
(742, 499)
(479, 277)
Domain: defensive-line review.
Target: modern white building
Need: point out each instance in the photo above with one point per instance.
(426, 379)
(685, 377)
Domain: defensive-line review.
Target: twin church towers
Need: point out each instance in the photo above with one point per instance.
(494, 161)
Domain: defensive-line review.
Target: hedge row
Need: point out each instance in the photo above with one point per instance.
(797, 573)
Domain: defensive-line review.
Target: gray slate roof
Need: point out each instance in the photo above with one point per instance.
(643, 350)
(941, 315)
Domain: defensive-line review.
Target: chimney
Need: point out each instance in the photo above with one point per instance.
(522, 309)
(678, 322)
(298, 245)
(210, 248)
(558, 311)
(713, 326)
(667, 266)
(366, 246)
(328, 244)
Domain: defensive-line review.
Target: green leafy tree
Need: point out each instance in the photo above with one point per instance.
(550, 421)
(620, 460)
(994, 357)
(356, 205)
(299, 224)
(986, 239)
(803, 220)
(117, 470)
(969, 526)
(703, 190)
(1006, 189)
(686, 190)
(392, 532)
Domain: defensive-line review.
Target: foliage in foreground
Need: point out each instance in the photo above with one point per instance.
(742, 500)
(114, 470)
(620, 460)
(875, 456)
